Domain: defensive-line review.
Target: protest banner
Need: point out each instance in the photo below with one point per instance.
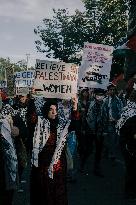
(55, 79)
(22, 91)
(94, 71)
(10, 81)
(24, 78)
(3, 83)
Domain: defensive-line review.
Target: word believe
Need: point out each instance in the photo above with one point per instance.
(55, 67)
(52, 66)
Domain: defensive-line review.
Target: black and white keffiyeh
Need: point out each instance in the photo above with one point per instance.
(7, 110)
(41, 135)
(64, 113)
(128, 111)
(39, 103)
(9, 152)
(22, 113)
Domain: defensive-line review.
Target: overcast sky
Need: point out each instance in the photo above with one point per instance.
(18, 18)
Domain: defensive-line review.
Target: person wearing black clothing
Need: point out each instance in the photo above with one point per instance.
(49, 165)
(27, 112)
(82, 135)
(127, 130)
(95, 129)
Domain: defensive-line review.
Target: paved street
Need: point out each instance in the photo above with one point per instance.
(89, 189)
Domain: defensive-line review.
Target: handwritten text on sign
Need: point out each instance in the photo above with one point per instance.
(56, 79)
(96, 65)
(97, 53)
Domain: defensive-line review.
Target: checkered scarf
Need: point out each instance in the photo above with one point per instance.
(9, 153)
(41, 136)
(128, 111)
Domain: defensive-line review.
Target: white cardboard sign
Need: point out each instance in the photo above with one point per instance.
(55, 79)
(94, 71)
(22, 91)
(24, 78)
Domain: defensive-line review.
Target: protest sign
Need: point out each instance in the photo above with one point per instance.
(55, 79)
(3, 83)
(94, 71)
(24, 78)
(22, 91)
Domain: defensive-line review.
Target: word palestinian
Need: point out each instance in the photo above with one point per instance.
(55, 76)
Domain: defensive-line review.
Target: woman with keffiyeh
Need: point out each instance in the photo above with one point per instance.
(8, 159)
(126, 127)
(48, 175)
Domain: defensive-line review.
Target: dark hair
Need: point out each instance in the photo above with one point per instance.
(45, 111)
(84, 90)
(132, 96)
(111, 86)
(99, 91)
(129, 87)
(47, 105)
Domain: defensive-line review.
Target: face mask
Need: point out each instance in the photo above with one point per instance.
(99, 97)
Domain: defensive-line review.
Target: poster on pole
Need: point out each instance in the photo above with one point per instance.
(94, 71)
(24, 78)
(10, 81)
(55, 79)
(22, 91)
(3, 83)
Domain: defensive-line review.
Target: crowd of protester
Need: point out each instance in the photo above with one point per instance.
(53, 134)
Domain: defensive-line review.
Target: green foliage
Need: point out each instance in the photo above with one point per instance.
(104, 21)
(62, 36)
(4, 63)
(110, 19)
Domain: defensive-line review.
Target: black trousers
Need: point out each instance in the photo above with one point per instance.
(130, 177)
(86, 146)
(6, 197)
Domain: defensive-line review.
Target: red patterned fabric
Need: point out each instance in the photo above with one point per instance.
(75, 115)
(57, 167)
(3, 95)
(45, 190)
(132, 43)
